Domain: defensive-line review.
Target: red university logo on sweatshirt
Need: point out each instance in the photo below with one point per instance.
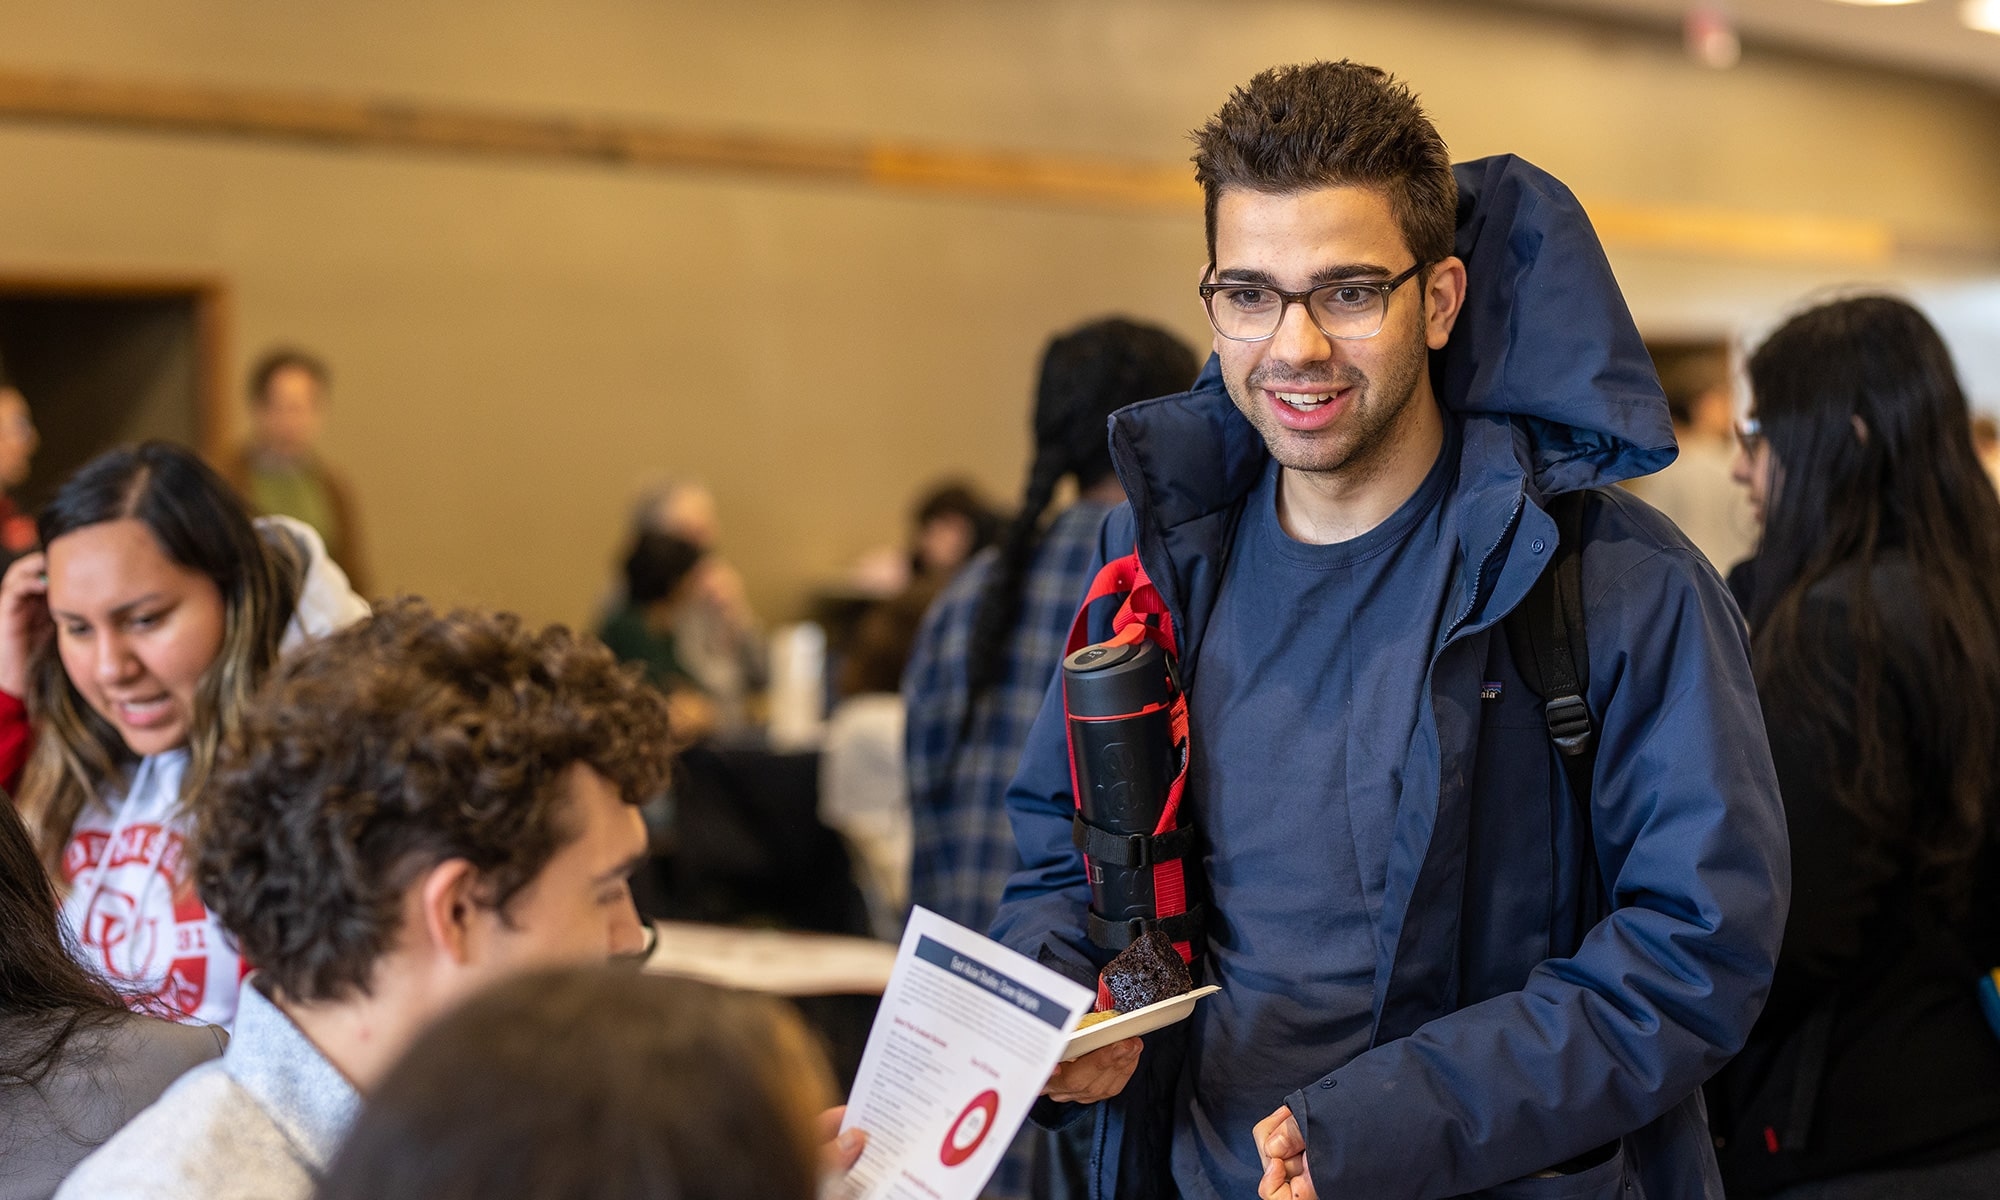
(143, 925)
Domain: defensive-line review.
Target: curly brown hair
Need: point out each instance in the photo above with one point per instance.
(405, 741)
(1330, 124)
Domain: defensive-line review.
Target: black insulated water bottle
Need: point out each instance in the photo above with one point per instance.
(1119, 698)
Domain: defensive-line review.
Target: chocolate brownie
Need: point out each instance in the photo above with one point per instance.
(1146, 972)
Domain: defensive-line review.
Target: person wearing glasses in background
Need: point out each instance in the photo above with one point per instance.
(1875, 604)
(1436, 979)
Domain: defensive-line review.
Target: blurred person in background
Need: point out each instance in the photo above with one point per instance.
(1695, 489)
(595, 1085)
(990, 644)
(281, 473)
(1875, 605)
(953, 522)
(718, 641)
(75, 1063)
(135, 642)
(662, 582)
(18, 443)
(950, 523)
(417, 806)
(862, 795)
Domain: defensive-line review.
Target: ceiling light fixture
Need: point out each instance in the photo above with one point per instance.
(1983, 15)
(1877, 3)
(1710, 37)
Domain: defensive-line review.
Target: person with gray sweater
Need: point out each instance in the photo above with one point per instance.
(75, 1064)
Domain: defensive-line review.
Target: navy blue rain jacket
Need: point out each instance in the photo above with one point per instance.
(1514, 1028)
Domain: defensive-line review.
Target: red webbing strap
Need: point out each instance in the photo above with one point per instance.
(1142, 615)
(1170, 877)
(1125, 577)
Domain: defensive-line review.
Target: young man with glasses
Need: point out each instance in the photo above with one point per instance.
(1441, 972)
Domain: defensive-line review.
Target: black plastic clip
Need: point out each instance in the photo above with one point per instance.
(1569, 724)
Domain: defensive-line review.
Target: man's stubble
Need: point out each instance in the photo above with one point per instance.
(1354, 447)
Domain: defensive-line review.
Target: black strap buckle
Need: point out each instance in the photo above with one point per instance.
(1116, 935)
(1131, 851)
(1569, 724)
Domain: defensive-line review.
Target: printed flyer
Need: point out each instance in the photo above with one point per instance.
(967, 1034)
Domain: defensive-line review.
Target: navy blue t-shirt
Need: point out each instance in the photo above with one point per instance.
(1304, 700)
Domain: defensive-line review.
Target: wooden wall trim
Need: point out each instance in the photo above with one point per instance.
(1063, 180)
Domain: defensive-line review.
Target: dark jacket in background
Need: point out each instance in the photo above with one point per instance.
(1872, 1052)
(1501, 1046)
(102, 1080)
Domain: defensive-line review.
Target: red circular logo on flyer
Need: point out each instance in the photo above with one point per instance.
(971, 1128)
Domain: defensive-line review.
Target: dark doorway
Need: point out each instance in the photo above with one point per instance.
(102, 363)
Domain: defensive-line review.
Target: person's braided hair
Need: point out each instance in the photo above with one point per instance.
(1087, 374)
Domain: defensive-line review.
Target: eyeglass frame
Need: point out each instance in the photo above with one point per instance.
(1386, 287)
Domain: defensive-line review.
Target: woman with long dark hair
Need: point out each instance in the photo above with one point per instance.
(132, 644)
(1874, 602)
(75, 1063)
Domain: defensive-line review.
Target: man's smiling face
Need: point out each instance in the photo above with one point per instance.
(1324, 405)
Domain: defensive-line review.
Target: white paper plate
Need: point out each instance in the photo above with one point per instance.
(1134, 1023)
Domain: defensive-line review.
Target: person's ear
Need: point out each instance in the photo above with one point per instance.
(447, 909)
(1444, 295)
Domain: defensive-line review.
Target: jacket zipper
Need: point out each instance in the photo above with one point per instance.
(1479, 576)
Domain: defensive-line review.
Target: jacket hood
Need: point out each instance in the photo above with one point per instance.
(327, 602)
(1545, 339)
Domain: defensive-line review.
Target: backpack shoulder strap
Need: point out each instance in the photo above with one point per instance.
(1546, 636)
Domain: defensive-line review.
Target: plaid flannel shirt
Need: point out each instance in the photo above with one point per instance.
(958, 774)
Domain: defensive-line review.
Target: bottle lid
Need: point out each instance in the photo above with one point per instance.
(1114, 680)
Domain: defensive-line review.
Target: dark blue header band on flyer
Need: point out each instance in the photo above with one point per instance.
(977, 973)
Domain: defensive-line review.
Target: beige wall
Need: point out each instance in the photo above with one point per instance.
(519, 344)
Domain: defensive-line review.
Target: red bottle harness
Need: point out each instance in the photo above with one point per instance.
(1143, 616)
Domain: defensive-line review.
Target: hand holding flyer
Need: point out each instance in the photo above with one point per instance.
(966, 1036)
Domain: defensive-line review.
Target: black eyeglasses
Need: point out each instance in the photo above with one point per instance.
(1749, 434)
(1346, 310)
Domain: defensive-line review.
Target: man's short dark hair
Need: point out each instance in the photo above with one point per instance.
(286, 358)
(397, 744)
(1314, 125)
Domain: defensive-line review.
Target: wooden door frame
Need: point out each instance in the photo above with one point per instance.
(211, 297)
